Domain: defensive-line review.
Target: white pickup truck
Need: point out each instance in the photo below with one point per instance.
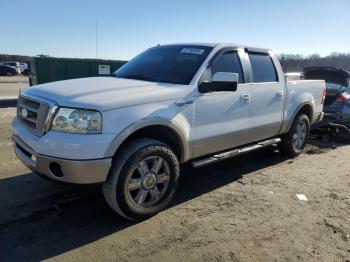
(196, 103)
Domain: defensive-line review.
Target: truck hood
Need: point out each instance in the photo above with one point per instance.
(105, 93)
(329, 74)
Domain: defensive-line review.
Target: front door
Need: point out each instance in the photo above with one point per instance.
(221, 119)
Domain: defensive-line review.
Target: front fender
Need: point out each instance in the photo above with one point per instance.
(125, 133)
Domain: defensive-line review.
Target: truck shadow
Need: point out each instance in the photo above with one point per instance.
(71, 222)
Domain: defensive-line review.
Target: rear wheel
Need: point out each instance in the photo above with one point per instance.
(142, 180)
(293, 143)
(9, 74)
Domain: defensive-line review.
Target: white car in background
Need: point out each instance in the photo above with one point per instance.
(23, 67)
(294, 76)
(20, 67)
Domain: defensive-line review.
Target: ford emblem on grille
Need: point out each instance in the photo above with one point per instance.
(24, 113)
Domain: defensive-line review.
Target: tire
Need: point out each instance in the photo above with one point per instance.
(137, 187)
(9, 74)
(289, 145)
(325, 138)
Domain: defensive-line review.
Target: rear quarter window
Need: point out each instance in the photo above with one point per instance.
(263, 68)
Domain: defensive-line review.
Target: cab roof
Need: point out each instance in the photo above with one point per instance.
(249, 48)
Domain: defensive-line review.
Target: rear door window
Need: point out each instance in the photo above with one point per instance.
(263, 68)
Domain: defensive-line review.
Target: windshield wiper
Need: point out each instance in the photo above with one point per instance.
(144, 78)
(137, 77)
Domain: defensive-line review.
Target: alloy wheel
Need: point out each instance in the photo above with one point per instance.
(149, 181)
(299, 136)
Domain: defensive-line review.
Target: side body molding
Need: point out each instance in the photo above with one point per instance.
(148, 122)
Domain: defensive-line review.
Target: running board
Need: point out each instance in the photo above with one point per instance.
(234, 152)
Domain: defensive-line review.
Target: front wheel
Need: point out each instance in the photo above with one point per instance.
(293, 143)
(142, 180)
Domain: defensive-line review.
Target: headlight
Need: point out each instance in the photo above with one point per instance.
(79, 121)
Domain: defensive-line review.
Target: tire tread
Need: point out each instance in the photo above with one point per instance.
(122, 161)
(286, 145)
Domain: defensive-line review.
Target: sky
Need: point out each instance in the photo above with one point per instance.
(67, 28)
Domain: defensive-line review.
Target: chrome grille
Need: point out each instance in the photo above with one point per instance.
(33, 113)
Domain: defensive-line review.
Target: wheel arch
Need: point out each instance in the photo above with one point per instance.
(305, 107)
(163, 130)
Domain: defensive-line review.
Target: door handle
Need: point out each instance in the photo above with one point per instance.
(279, 94)
(246, 98)
(182, 102)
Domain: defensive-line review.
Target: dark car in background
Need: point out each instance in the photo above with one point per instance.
(7, 70)
(337, 101)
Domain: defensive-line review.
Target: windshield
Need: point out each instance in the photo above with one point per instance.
(176, 64)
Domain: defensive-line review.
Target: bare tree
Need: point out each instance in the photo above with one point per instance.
(296, 63)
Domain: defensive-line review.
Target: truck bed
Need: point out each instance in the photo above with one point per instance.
(303, 90)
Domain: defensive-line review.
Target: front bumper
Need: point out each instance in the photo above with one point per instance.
(63, 170)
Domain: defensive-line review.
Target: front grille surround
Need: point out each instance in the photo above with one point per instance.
(40, 112)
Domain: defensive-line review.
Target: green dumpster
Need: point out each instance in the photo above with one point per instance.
(49, 69)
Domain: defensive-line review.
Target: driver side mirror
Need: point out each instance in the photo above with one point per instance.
(222, 81)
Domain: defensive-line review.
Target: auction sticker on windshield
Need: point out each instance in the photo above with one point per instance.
(192, 51)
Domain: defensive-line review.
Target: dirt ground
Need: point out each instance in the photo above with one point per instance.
(243, 209)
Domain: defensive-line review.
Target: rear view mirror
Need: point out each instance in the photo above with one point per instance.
(225, 77)
(222, 81)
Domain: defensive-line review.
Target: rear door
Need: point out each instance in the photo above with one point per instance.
(267, 92)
